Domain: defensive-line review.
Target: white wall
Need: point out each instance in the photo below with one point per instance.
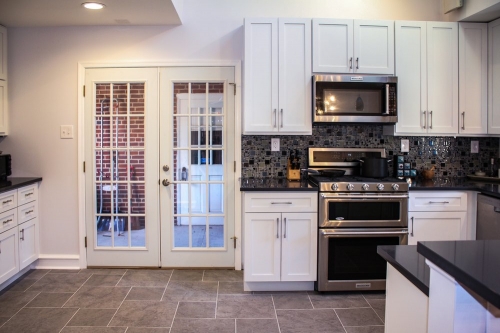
(43, 81)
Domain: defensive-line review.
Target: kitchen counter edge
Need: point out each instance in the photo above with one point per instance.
(457, 184)
(13, 183)
(275, 185)
(407, 261)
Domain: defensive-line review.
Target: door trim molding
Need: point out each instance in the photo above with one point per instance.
(82, 66)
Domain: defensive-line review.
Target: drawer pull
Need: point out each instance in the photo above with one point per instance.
(28, 212)
(439, 202)
(7, 201)
(7, 221)
(281, 203)
(28, 194)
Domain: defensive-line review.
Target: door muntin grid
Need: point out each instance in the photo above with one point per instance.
(119, 165)
(198, 168)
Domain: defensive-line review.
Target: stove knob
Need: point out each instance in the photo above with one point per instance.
(395, 187)
(380, 187)
(350, 187)
(335, 187)
(365, 187)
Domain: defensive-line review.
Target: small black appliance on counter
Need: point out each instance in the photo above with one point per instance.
(5, 166)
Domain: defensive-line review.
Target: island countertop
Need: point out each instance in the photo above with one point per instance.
(474, 264)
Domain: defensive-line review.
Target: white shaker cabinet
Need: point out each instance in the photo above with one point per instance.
(437, 216)
(353, 46)
(494, 77)
(9, 254)
(427, 71)
(277, 76)
(3, 53)
(473, 78)
(3, 82)
(28, 242)
(280, 236)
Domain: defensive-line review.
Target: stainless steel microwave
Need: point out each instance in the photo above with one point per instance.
(355, 99)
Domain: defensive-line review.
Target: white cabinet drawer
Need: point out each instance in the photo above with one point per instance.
(8, 219)
(8, 200)
(27, 212)
(445, 201)
(27, 194)
(281, 202)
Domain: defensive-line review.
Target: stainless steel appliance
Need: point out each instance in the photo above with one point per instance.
(488, 217)
(355, 99)
(355, 215)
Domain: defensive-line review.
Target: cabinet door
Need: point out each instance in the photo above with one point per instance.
(295, 76)
(411, 65)
(473, 78)
(299, 247)
(494, 77)
(9, 255)
(3, 53)
(28, 242)
(262, 246)
(442, 77)
(3, 108)
(332, 46)
(260, 113)
(373, 47)
(436, 226)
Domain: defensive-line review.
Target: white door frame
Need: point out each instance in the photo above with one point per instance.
(82, 66)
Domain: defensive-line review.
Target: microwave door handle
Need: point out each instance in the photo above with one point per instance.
(387, 98)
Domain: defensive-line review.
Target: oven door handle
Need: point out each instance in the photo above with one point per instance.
(332, 233)
(363, 196)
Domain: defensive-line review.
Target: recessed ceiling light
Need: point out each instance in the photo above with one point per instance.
(93, 5)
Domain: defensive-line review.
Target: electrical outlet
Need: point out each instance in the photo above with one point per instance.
(275, 144)
(405, 145)
(474, 147)
(66, 131)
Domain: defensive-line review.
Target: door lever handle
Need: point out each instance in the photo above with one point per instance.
(165, 182)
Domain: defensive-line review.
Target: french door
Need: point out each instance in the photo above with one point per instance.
(121, 158)
(159, 154)
(197, 154)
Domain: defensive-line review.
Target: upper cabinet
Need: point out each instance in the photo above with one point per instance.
(473, 78)
(427, 71)
(353, 46)
(494, 77)
(3, 53)
(277, 76)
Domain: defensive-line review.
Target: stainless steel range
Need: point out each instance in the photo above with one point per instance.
(355, 215)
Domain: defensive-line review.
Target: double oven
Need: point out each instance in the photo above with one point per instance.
(355, 215)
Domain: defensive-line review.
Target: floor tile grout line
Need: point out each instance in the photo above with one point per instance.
(118, 308)
(76, 291)
(121, 277)
(340, 321)
(216, 297)
(173, 318)
(276, 314)
(382, 319)
(166, 286)
(310, 301)
(74, 314)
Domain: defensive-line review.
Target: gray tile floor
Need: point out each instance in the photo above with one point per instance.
(162, 301)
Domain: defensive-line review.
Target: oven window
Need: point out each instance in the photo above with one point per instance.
(357, 258)
(364, 211)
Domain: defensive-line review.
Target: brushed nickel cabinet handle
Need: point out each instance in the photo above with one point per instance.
(463, 120)
(281, 203)
(350, 63)
(284, 232)
(430, 113)
(7, 221)
(274, 123)
(6, 201)
(439, 202)
(281, 118)
(357, 63)
(277, 227)
(411, 233)
(22, 237)
(425, 119)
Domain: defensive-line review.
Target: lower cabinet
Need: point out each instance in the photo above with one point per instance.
(9, 254)
(437, 216)
(280, 236)
(280, 246)
(436, 226)
(19, 232)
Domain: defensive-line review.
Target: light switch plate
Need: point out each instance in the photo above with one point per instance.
(275, 144)
(474, 147)
(66, 131)
(405, 145)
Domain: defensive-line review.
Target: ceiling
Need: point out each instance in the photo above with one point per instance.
(49, 13)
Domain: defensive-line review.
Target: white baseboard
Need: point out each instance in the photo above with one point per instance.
(57, 261)
(279, 286)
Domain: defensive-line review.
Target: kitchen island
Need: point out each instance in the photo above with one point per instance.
(461, 279)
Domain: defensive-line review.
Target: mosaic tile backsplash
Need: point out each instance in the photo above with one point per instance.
(450, 155)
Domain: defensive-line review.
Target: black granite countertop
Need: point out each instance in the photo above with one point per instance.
(409, 263)
(16, 182)
(456, 184)
(474, 264)
(275, 184)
